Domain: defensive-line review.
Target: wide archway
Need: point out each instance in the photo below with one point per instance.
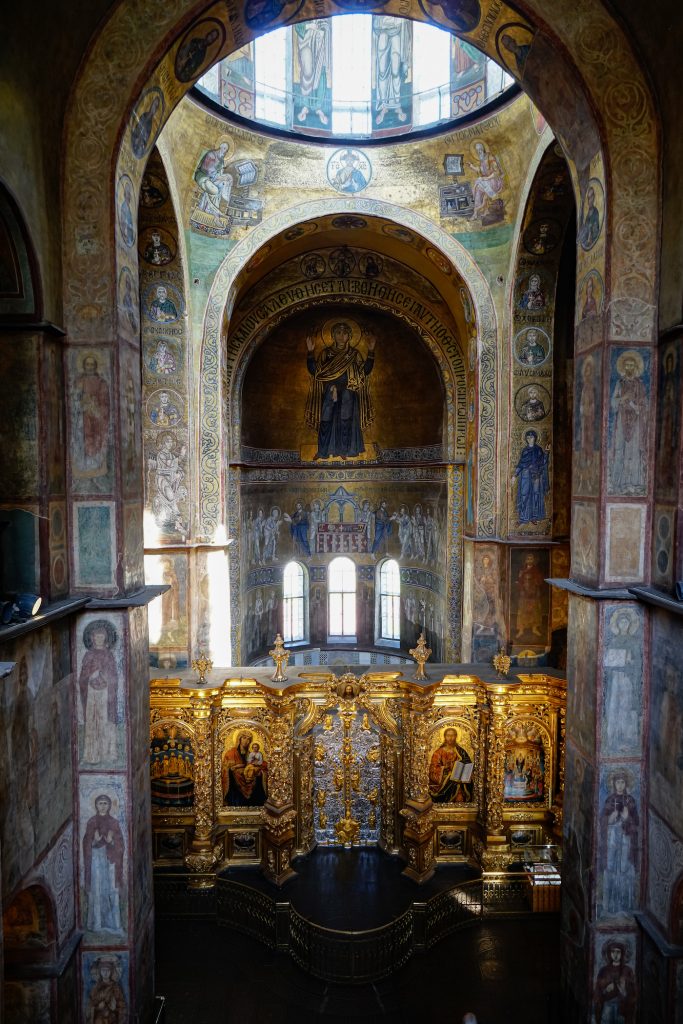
(607, 133)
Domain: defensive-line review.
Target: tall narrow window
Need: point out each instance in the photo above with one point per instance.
(294, 603)
(431, 74)
(352, 63)
(270, 59)
(341, 588)
(389, 600)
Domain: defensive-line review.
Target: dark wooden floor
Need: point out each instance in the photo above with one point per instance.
(352, 889)
(505, 971)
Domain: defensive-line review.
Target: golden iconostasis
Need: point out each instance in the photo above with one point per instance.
(451, 770)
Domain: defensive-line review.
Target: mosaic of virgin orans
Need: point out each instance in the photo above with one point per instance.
(342, 383)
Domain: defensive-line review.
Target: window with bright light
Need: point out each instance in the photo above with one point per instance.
(270, 67)
(294, 603)
(389, 618)
(431, 74)
(341, 589)
(325, 81)
(352, 63)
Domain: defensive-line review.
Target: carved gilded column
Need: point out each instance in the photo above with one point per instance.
(558, 800)
(203, 855)
(418, 815)
(279, 815)
(495, 777)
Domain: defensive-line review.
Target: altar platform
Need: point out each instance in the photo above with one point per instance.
(351, 890)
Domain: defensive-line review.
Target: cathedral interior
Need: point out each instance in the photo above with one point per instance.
(340, 492)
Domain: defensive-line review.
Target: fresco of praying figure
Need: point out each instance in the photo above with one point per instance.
(103, 849)
(619, 847)
(338, 405)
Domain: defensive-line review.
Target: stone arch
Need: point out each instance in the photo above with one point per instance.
(547, 198)
(591, 53)
(21, 298)
(222, 295)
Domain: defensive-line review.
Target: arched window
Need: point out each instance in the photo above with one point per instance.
(294, 616)
(341, 589)
(389, 593)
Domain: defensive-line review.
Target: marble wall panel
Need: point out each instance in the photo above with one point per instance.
(584, 546)
(94, 544)
(625, 543)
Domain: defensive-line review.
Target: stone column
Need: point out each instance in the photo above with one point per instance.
(203, 854)
(279, 815)
(418, 815)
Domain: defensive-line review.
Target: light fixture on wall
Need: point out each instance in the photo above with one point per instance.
(19, 608)
(27, 605)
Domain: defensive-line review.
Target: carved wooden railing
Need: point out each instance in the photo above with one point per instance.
(349, 957)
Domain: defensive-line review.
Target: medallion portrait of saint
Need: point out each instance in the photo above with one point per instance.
(339, 405)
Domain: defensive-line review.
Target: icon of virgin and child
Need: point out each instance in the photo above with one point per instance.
(244, 772)
(339, 405)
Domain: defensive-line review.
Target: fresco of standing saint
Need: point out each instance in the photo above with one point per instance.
(531, 474)
(338, 405)
(313, 91)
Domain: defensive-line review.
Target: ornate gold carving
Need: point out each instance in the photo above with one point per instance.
(306, 810)
(501, 663)
(420, 653)
(496, 764)
(328, 723)
(201, 666)
(388, 792)
(321, 797)
(319, 753)
(365, 724)
(280, 656)
(373, 755)
(347, 830)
